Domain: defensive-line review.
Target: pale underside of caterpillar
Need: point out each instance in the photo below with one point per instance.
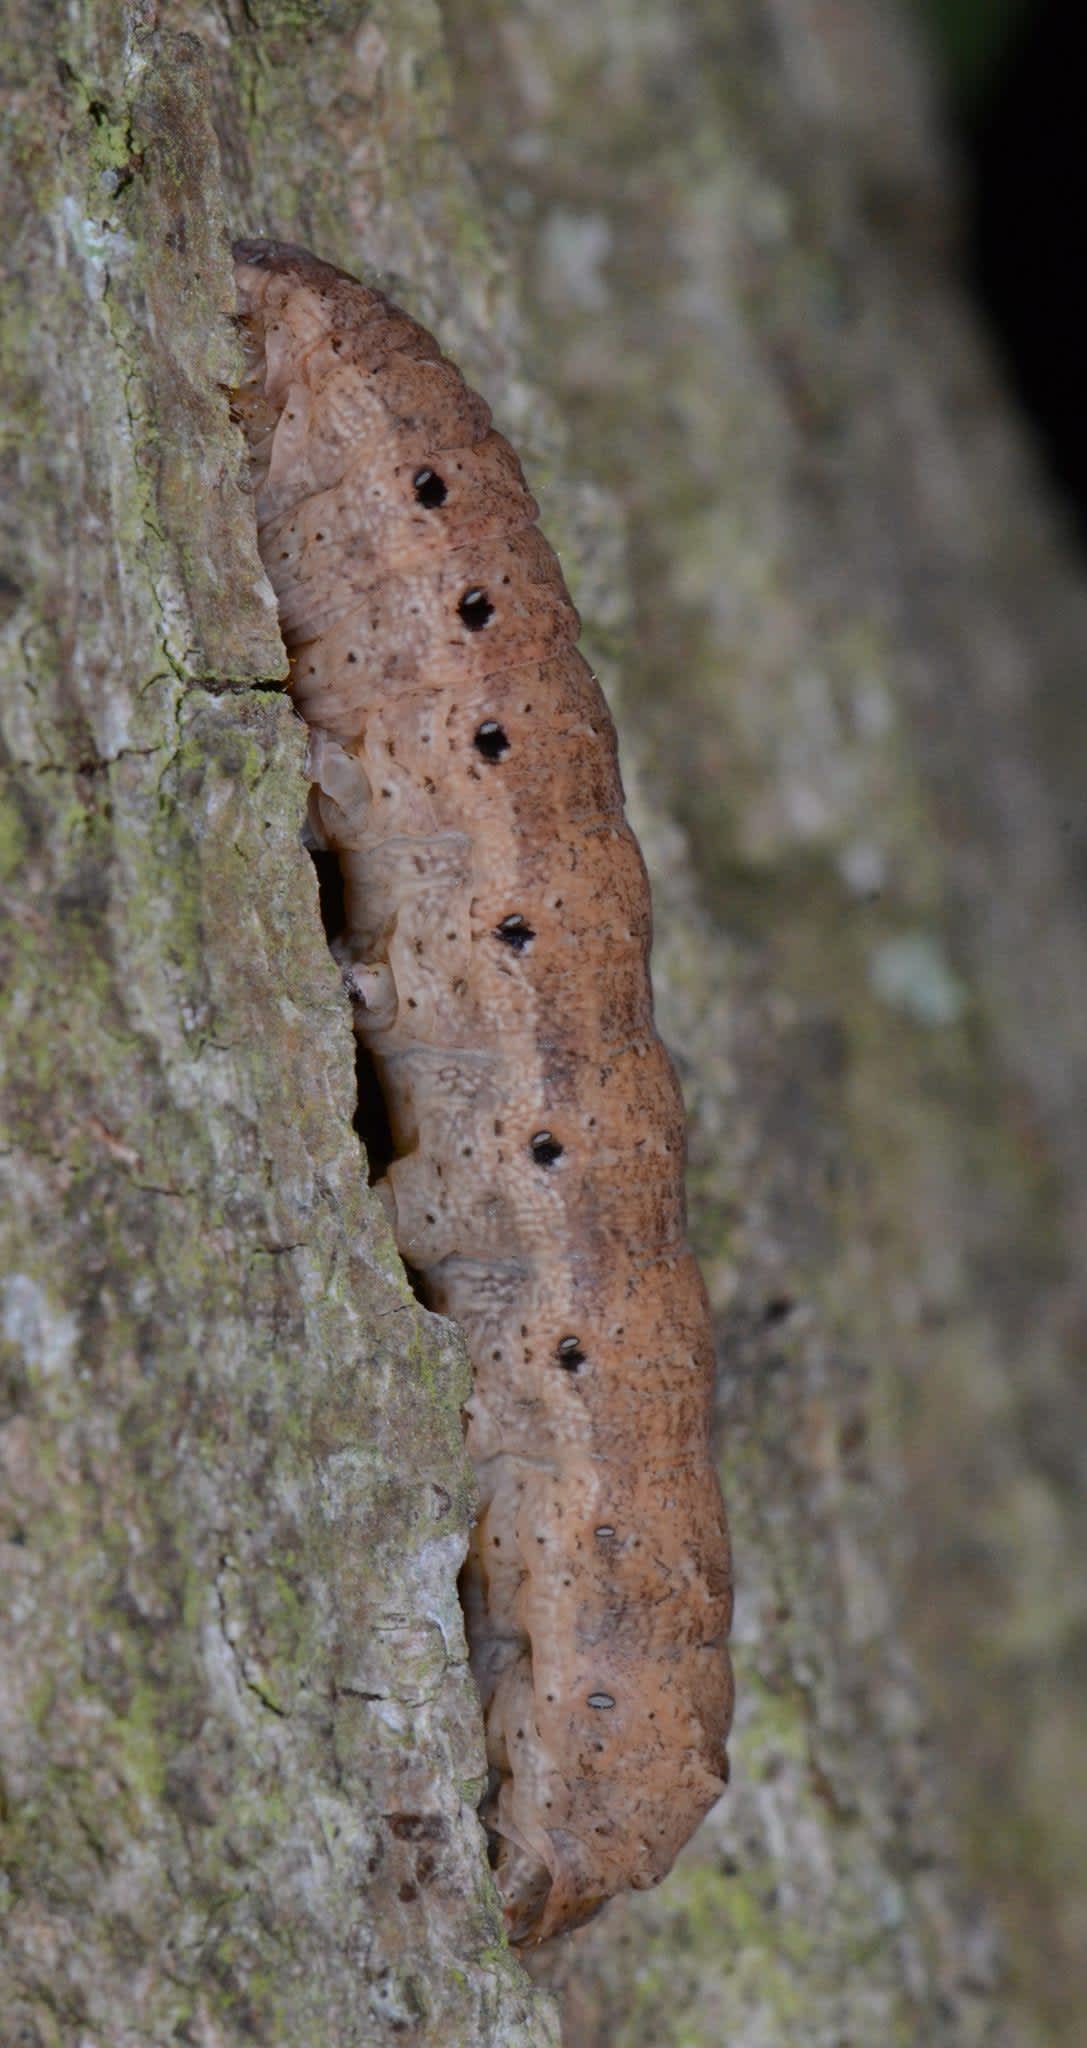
(495, 941)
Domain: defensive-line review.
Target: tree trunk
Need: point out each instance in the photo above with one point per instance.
(240, 1744)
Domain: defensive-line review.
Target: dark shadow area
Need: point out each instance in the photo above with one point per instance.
(371, 1118)
(1025, 142)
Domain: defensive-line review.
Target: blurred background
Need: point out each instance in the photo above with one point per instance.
(802, 278)
(1012, 75)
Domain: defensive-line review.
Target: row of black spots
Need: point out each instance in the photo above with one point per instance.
(431, 490)
(490, 740)
(569, 1353)
(604, 1534)
(515, 932)
(474, 608)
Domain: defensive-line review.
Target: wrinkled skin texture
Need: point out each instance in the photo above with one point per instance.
(495, 941)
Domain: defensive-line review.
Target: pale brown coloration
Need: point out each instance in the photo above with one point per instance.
(496, 943)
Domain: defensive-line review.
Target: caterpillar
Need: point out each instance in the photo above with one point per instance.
(495, 943)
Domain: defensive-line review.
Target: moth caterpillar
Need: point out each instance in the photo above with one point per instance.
(495, 942)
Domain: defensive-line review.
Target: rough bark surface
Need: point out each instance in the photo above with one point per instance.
(239, 1742)
(538, 1133)
(241, 1745)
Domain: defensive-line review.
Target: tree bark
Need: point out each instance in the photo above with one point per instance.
(701, 265)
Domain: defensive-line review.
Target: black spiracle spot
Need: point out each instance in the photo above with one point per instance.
(490, 740)
(545, 1149)
(569, 1354)
(515, 932)
(475, 609)
(430, 489)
